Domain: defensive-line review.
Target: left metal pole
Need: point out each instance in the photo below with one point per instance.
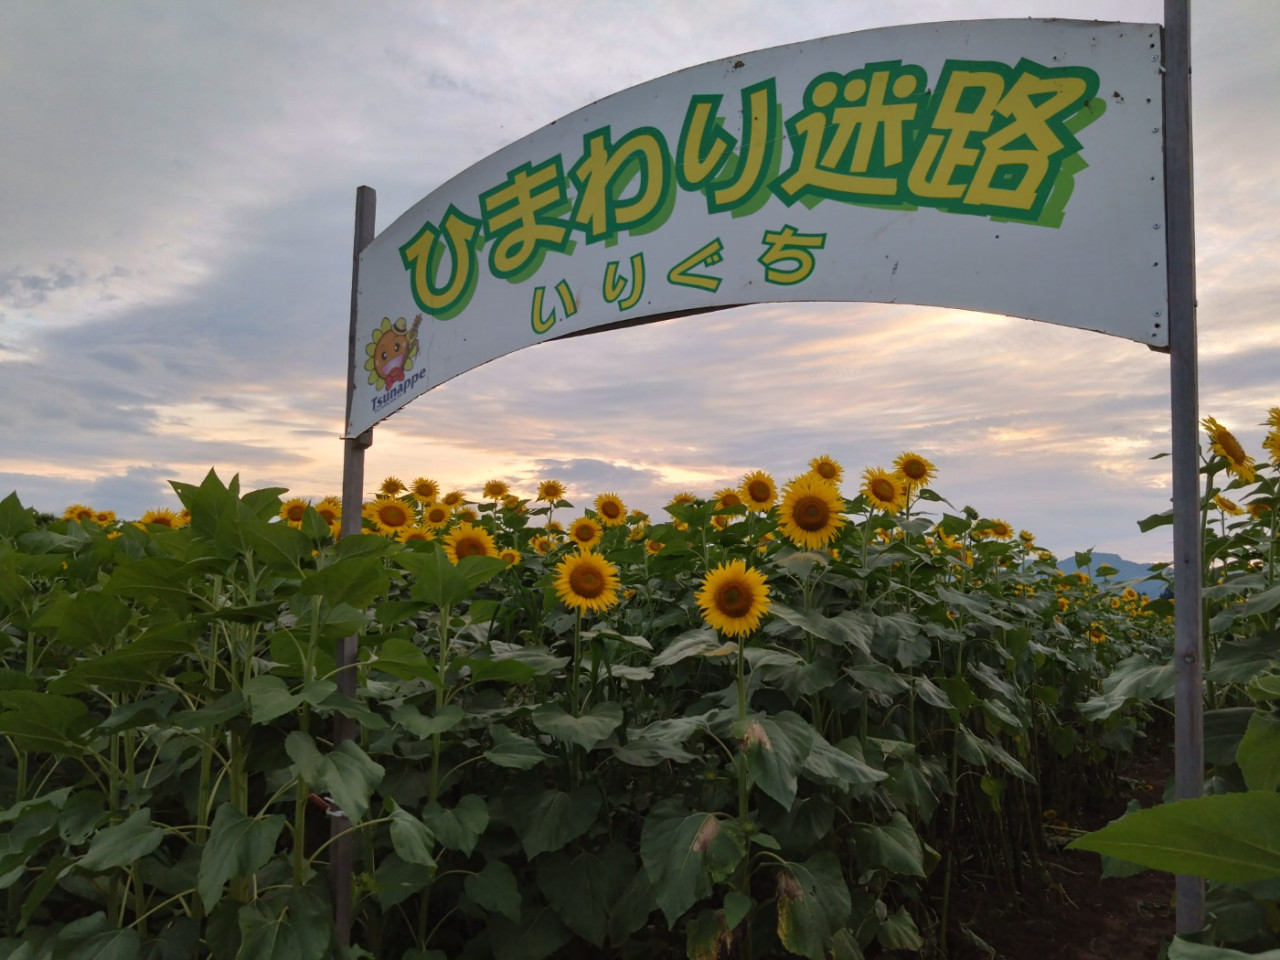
(341, 862)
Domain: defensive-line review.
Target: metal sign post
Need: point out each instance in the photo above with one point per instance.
(1184, 389)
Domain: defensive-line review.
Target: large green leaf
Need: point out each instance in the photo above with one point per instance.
(89, 620)
(833, 766)
(292, 924)
(411, 838)
(539, 933)
(96, 938)
(703, 642)
(137, 662)
(42, 722)
(553, 818)
(269, 697)
(1135, 678)
(1180, 949)
(123, 843)
(894, 846)
(1259, 753)
(404, 659)
(15, 519)
(442, 584)
(587, 730)
(813, 903)
(237, 847)
(347, 772)
(495, 889)
(512, 750)
(357, 581)
(775, 749)
(581, 888)
(682, 851)
(841, 630)
(461, 827)
(1232, 837)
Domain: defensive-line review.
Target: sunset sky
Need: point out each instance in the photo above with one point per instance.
(179, 184)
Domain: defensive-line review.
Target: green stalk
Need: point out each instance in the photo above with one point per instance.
(443, 661)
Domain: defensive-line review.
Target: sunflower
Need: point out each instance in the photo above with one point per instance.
(734, 598)
(540, 545)
(293, 510)
(757, 490)
(1227, 506)
(330, 509)
(162, 517)
(509, 556)
(684, 496)
(810, 512)
(513, 503)
(915, 469)
(1225, 444)
(1096, 634)
(637, 516)
(586, 533)
(469, 515)
(391, 486)
(884, 490)
(78, 511)
(435, 516)
(728, 497)
(550, 491)
(653, 547)
(454, 498)
(425, 490)
(388, 515)
(1271, 444)
(104, 517)
(425, 534)
(1027, 537)
(999, 530)
(638, 533)
(827, 468)
(586, 581)
(494, 489)
(1273, 418)
(555, 528)
(610, 510)
(464, 540)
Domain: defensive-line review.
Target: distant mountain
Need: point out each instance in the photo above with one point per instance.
(1131, 573)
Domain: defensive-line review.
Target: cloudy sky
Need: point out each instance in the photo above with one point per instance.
(177, 203)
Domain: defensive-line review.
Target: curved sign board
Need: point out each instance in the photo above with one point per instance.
(1003, 166)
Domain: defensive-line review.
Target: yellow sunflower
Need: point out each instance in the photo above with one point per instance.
(586, 581)
(550, 491)
(104, 517)
(540, 545)
(425, 490)
(728, 497)
(464, 540)
(684, 496)
(1271, 444)
(1227, 506)
(1225, 444)
(1273, 418)
(391, 486)
(555, 528)
(1096, 633)
(638, 533)
(734, 598)
(162, 517)
(610, 510)
(586, 533)
(758, 491)
(810, 512)
(454, 498)
(293, 510)
(468, 514)
(654, 546)
(827, 468)
(330, 509)
(425, 534)
(494, 490)
(388, 515)
(510, 556)
(998, 530)
(78, 511)
(436, 516)
(513, 503)
(884, 490)
(915, 469)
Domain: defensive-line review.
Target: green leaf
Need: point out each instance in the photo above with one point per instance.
(831, 765)
(421, 726)
(440, 583)
(512, 750)
(89, 620)
(404, 659)
(1180, 949)
(495, 889)
(813, 903)
(894, 846)
(841, 630)
(1259, 753)
(15, 519)
(1239, 661)
(347, 772)
(356, 581)
(137, 662)
(289, 925)
(681, 852)
(237, 847)
(703, 642)
(96, 938)
(411, 838)
(1223, 731)
(736, 907)
(553, 818)
(586, 731)
(124, 843)
(582, 888)
(269, 698)
(42, 722)
(1135, 678)
(898, 931)
(1231, 837)
(775, 750)
(538, 934)
(461, 827)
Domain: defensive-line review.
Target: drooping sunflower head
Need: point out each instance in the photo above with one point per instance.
(915, 469)
(425, 489)
(827, 468)
(610, 510)
(465, 540)
(810, 512)
(757, 490)
(550, 491)
(586, 533)
(1224, 443)
(78, 511)
(293, 510)
(330, 509)
(884, 490)
(733, 598)
(388, 515)
(510, 556)
(1228, 506)
(391, 486)
(495, 489)
(586, 581)
(163, 517)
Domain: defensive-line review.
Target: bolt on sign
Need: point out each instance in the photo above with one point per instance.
(1002, 166)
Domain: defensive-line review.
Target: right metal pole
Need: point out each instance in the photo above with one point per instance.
(1184, 384)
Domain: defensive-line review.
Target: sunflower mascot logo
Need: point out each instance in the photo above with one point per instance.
(391, 351)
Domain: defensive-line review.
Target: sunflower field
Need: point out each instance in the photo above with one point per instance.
(774, 721)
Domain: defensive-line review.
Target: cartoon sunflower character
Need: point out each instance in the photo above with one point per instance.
(391, 351)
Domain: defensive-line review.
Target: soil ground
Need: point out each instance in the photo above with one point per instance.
(1080, 915)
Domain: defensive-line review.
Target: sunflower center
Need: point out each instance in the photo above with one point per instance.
(583, 534)
(758, 491)
(610, 510)
(163, 521)
(296, 512)
(733, 599)
(393, 515)
(826, 470)
(586, 582)
(914, 469)
(470, 547)
(811, 513)
(1231, 447)
(883, 489)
